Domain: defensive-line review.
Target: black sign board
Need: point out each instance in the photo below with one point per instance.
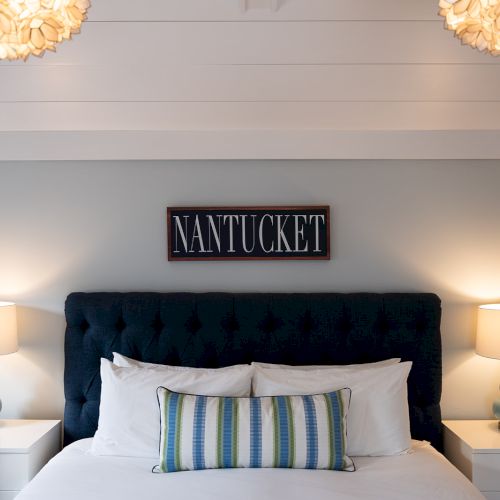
(249, 233)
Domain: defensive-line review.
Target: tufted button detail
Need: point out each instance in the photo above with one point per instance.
(120, 325)
(193, 324)
(210, 356)
(306, 324)
(158, 324)
(270, 323)
(230, 324)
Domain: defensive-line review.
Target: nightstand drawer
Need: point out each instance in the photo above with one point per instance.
(473, 447)
(486, 471)
(14, 469)
(25, 447)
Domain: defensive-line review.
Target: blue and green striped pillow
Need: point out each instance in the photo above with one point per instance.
(303, 432)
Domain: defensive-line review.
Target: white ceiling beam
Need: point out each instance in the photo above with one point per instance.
(227, 116)
(284, 10)
(326, 42)
(227, 145)
(263, 83)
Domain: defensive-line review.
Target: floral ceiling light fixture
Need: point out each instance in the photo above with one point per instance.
(475, 22)
(34, 26)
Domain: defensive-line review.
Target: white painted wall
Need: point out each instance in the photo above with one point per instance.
(397, 226)
(198, 79)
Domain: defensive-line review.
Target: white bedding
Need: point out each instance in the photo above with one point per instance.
(422, 474)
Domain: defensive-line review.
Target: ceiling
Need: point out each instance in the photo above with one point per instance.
(204, 79)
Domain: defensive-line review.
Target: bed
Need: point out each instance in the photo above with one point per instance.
(223, 329)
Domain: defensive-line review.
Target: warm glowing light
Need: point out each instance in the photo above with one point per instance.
(494, 307)
(488, 331)
(475, 22)
(34, 26)
(8, 328)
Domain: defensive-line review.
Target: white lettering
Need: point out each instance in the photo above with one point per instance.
(212, 230)
(281, 234)
(261, 233)
(197, 236)
(299, 231)
(244, 233)
(316, 229)
(231, 218)
(180, 231)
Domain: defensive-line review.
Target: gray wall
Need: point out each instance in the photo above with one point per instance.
(397, 226)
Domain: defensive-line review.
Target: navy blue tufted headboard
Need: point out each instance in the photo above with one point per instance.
(220, 329)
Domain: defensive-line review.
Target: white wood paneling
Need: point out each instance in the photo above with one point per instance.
(225, 116)
(253, 83)
(364, 79)
(287, 10)
(251, 144)
(330, 42)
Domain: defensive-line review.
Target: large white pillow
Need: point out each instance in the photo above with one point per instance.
(129, 417)
(385, 362)
(124, 361)
(378, 420)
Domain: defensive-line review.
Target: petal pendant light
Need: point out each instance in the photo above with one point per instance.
(475, 22)
(34, 26)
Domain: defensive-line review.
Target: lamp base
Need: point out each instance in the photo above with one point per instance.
(496, 410)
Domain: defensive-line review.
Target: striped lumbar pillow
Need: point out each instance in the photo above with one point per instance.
(303, 432)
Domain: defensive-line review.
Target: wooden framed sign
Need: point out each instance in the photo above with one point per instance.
(248, 233)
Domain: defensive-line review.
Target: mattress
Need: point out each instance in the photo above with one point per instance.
(422, 473)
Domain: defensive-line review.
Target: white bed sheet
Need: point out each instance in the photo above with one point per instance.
(422, 474)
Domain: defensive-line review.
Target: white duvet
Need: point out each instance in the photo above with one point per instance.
(423, 474)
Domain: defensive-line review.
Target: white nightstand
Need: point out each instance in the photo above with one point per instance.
(473, 446)
(25, 447)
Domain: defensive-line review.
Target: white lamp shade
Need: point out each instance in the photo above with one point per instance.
(8, 328)
(488, 331)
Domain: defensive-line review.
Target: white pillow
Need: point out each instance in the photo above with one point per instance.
(129, 417)
(125, 362)
(378, 421)
(275, 366)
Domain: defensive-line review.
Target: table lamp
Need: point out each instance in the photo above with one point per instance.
(488, 339)
(8, 330)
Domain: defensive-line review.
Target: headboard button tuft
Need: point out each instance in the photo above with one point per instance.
(84, 325)
(306, 324)
(193, 324)
(270, 323)
(120, 325)
(230, 324)
(158, 324)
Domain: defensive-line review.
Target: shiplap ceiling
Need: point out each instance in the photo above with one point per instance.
(204, 79)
